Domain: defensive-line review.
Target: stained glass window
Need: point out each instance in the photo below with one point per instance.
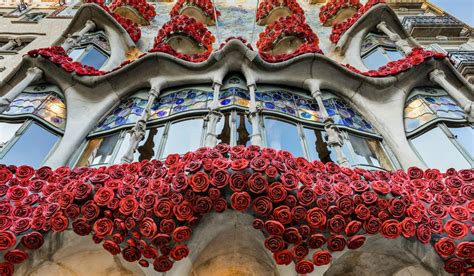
(48, 106)
(422, 109)
(126, 113)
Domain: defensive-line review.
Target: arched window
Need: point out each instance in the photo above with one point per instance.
(377, 50)
(92, 50)
(292, 121)
(32, 125)
(438, 130)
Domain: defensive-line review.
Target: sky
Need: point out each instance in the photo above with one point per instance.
(461, 9)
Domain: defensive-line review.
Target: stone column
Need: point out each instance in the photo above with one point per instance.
(335, 139)
(437, 76)
(75, 37)
(12, 42)
(213, 117)
(32, 74)
(402, 44)
(256, 136)
(137, 133)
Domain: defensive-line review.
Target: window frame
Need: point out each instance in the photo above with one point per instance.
(87, 48)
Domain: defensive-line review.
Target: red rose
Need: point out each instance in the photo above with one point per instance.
(322, 257)
(274, 243)
(454, 265)
(336, 224)
(356, 242)
(372, 225)
(15, 256)
(445, 247)
(306, 196)
(415, 173)
(274, 227)
(163, 208)
(304, 267)
(81, 227)
(283, 257)
(103, 196)
(259, 164)
(167, 226)
(220, 178)
(240, 201)
(6, 269)
(182, 233)
(346, 205)
(283, 214)
(238, 182)
(220, 205)
(408, 227)
(257, 183)
(298, 213)
(33, 240)
(353, 227)
(397, 207)
(423, 233)
(131, 254)
(59, 223)
(112, 247)
(316, 241)
(16, 193)
(465, 250)
(183, 211)
(459, 213)
(257, 224)
(362, 212)
(24, 172)
(271, 171)
(82, 190)
(290, 181)
(239, 164)
(179, 182)
(5, 175)
(203, 205)
(390, 229)
(456, 229)
(179, 252)
(199, 182)
(336, 243)
(316, 217)
(103, 227)
(359, 186)
(7, 240)
(276, 192)
(128, 205)
(291, 235)
(148, 227)
(162, 264)
(300, 251)
(262, 206)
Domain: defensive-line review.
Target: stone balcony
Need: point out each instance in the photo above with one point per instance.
(432, 26)
(464, 63)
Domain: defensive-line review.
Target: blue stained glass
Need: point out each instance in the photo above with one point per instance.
(269, 106)
(226, 102)
(126, 113)
(179, 101)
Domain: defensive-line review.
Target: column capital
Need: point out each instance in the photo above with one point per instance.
(155, 92)
(216, 84)
(34, 71)
(316, 93)
(91, 24)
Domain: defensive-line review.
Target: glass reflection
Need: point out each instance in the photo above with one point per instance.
(94, 58)
(282, 135)
(368, 152)
(465, 137)
(99, 150)
(317, 146)
(183, 136)
(223, 129)
(147, 148)
(244, 129)
(7, 132)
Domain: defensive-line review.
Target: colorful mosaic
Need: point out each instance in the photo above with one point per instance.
(420, 110)
(234, 96)
(127, 112)
(47, 106)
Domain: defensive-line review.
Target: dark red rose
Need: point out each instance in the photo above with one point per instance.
(131, 254)
(336, 243)
(332, 168)
(362, 212)
(356, 242)
(257, 183)
(163, 208)
(220, 205)
(59, 223)
(203, 205)
(291, 235)
(81, 227)
(128, 205)
(183, 211)
(445, 247)
(44, 173)
(24, 172)
(149, 252)
(238, 182)
(415, 173)
(199, 182)
(316, 217)
(214, 193)
(103, 196)
(7, 240)
(33, 240)
(283, 214)
(259, 164)
(240, 201)
(274, 227)
(304, 267)
(353, 227)
(283, 257)
(290, 181)
(359, 186)
(239, 164)
(408, 227)
(82, 190)
(112, 247)
(162, 264)
(5, 175)
(306, 196)
(322, 257)
(271, 171)
(465, 250)
(456, 229)
(454, 265)
(423, 233)
(459, 213)
(15, 256)
(5, 223)
(6, 269)
(182, 233)
(193, 166)
(274, 243)
(17, 193)
(298, 213)
(262, 206)
(172, 159)
(179, 252)
(148, 227)
(179, 182)
(220, 178)
(391, 229)
(257, 224)
(396, 207)
(276, 192)
(345, 205)
(372, 225)
(103, 227)
(300, 251)
(167, 226)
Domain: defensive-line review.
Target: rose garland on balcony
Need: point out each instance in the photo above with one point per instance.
(265, 7)
(243, 40)
(340, 28)
(184, 25)
(294, 25)
(333, 7)
(146, 10)
(132, 28)
(415, 57)
(205, 5)
(146, 210)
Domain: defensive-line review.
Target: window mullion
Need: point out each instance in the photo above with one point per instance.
(303, 141)
(455, 142)
(164, 138)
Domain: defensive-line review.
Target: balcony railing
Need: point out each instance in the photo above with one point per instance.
(462, 58)
(432, 26)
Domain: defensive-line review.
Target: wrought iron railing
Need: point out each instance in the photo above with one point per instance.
(412, 21)
(461, 57)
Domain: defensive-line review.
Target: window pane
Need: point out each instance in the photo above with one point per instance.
(94, 58)
(183, 137)
(99, 151)
(465, 136)
(375, 59)
(76, 53)
(369, 152)
(31, 148)
(438, 152)
(394, 54)
(147, 149)
(244, 129)
(316, 142)
(7, 132)
(281, 135)
(223, 129)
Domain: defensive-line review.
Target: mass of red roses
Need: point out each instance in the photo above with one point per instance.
(146, 211)
(132, 28)
(188, 26)
(146, 10)
(338, 29)
(330, 10)
(241, 39)
(205, 6)
(294, 25)
(267, 6)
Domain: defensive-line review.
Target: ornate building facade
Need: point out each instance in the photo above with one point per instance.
(200, 137)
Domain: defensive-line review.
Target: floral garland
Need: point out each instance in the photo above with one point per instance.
(146, 10)
(340, 28)
(293, 25)
(146, 210)
(415, 57)
(267, 6)
(132, 28)
(183, 24)
(243, 40)
(205, 5)
(332, 8)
